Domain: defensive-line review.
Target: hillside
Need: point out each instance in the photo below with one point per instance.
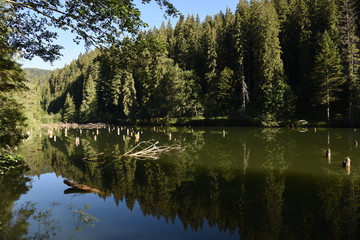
(41, 75)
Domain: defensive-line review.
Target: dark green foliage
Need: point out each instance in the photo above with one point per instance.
(97, 23)
(88, 106)
(129, 95)
(350, 46)
(225, 91)
(11, 122)
(26, 29)
(269, 78)
(327, 73)
(69, 111)
(11, 80)
(266, 61)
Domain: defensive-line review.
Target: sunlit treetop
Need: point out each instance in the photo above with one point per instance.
(30, 25)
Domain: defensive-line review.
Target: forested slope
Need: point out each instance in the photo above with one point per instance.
(268, 61)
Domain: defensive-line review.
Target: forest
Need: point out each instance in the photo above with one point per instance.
(269, 63)
(266, 63)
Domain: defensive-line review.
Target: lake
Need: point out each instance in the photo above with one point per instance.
(217, 183)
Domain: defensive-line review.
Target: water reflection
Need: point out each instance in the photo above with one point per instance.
(13, 224)
(258, 183)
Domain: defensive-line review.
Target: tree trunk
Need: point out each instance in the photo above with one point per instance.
(328, 103)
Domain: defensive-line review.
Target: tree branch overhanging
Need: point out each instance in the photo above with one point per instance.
(98, 23)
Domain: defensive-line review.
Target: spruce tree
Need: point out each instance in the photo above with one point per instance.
(241, 45)
(350, 44)
(129, 95)
(88, 108)
(225, 92)
(298, 52)
(327, 73)
(210, 57)
(225, 27)
(69, 111)
(325, 17)
(181, 46)
(270, 84)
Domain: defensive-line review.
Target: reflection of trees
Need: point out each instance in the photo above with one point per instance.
(275, 166)
(339, 197)
(13, 225)
(16, 224)
(339, 193)
(218, 181)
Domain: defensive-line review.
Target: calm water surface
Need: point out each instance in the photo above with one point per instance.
(227, 183)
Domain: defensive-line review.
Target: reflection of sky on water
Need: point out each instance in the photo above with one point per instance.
(269, 183)
(115, 222)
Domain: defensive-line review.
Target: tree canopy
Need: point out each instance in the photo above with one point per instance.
(100, 23)
(262, 64)
(29, 27)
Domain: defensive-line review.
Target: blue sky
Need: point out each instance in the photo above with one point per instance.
(151, 13)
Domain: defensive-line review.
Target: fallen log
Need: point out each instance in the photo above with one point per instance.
(82, 187)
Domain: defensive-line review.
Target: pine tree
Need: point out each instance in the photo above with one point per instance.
(225, 27)
(350, 44)
(88, 108)
(210, 57)
(270, 85)
(69, 111)
(225, 92)
(241, 45)
(325, 17)
(108, 86)
(129, 95)
(327, 73)
(190, 104)
(181, 46)
(298, 52)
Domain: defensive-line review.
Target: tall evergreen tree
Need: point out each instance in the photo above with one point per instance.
(129, 95)
(270, 84)
(350, 44)
(325, 17)
(225, 92)
(327, 73)
(298, 52)
(225, 27)
(69, 111)
(210, 57)
(241, 45)
(181, 46)
(88, 108)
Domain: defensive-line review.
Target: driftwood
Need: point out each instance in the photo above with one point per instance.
(143, 150)
(81, 187)
(150, 150)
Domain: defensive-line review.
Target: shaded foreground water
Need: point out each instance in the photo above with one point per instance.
(228, 183)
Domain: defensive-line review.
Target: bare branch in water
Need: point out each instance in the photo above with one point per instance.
(150, 150)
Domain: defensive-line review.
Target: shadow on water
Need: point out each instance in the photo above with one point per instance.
(252, 183)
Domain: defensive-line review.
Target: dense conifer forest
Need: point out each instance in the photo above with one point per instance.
(265, 63)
